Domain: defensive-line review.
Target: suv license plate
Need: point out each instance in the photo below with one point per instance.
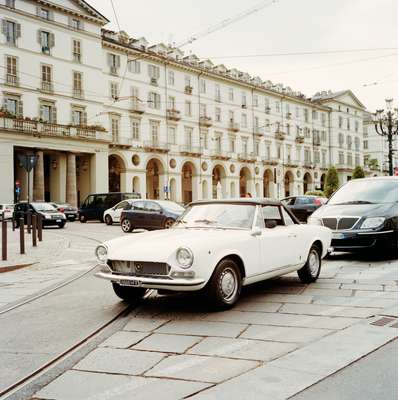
(125, 282)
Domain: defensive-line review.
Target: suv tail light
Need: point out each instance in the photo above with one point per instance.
(318, 202)
(61, 209)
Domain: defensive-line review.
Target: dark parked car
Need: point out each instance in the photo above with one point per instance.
(150, 214)
(69, 211)
(50, 215)
(303, 206)
(362, 214)
(94, 205)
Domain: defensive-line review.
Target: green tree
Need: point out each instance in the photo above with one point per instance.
(358, 173)
(331, 182)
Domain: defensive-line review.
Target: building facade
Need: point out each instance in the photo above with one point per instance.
(106, 112)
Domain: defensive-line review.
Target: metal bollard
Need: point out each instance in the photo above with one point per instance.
(13, 223)
(34, 230)
(22, 235)
(4, 240)
(40, 227)
(29, 221)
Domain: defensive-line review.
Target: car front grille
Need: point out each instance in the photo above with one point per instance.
(136, 268)
(343, 223)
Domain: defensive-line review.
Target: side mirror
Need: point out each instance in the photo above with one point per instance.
(256, 232)
(270, 224)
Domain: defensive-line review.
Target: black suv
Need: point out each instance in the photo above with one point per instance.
(50, 215)
(95, 205)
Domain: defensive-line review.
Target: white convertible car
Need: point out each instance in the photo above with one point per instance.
(216, 247)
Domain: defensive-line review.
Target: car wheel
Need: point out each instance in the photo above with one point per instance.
(72, 219)
(312, 268)
(82, 219)
(168, 223)
(108, 219)
(225, 285)
(126, 225)
(61, 225)
(129, 294)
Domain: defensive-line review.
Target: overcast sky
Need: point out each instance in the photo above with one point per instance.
(284, 27)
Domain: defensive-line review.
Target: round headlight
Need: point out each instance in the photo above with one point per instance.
(371, 223)
(101, 253)
(184, 257)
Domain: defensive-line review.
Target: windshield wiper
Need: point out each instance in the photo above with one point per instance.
(354, 202)
(205, 221)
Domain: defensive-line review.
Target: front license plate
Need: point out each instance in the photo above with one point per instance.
(338, 235)
(125, 282)
(58, 220)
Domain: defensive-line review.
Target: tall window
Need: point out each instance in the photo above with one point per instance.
(114, 90)
(244, 146)
(202, 86)
(204, 138)
(255, 101)
(307, 156)
(46, 78)
(153, 73)
(188, 136)
(188, 108)
(11, 72)
(11, 30)
(77, 51)
(172, 135)
(135, 129)
(77, 84)
(188, 81)
(217, 93)
(267, 125)
(170, 78)
(341, 158)
(340, 122)
(13, 105)
(76, 24)
(231, 94)
(79, 116)
(115, 129)
(46, 41)
(135, 66)
(278, 107)
(154, 100)
(244, 100)
(48, 112)
(218, 114)
(10, 3)
(306, 117)
(43, 13)
(135, 97)
(232, 144)
(171, 103)
(114, 63)
(154, 125)
(203, 110)
(231, 116)
(244, 120)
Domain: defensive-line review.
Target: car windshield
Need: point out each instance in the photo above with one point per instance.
(366, 192)
(234, 216)
(171, 206)
(43, 207)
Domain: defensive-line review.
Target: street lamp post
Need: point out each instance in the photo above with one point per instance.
(386, 124)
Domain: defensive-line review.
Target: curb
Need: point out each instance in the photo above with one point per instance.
(16, 267)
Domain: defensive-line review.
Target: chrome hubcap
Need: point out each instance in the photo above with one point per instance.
(313, 262)
(168, 224)
(126, 225)
(228, 283)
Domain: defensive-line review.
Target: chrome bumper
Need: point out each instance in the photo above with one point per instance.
(155, 283)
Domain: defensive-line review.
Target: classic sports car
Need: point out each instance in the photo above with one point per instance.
(216, 247)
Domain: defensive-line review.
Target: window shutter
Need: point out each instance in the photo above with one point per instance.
(54, 114)
(72, 117)
(41, 112)
(52, 40)
(51, 15)
(84, 118)
(20, 108)
(18, 30)
(70, 21)
(38, 11)
(110, 59)
(81, 25)
(5, 103)
(118, 61)
(4, 27)
(39, 37)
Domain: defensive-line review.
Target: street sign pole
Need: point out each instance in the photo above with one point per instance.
(28, 161)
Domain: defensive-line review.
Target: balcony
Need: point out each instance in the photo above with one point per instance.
(155, 146)
(308, 164)
(137, 108)
(300, 138)
(292, 163)
(316, 141)
(218, 154)
(233, 126)
(270, 160)
(47, 87)
(205, 121)
(12, 80)
(120, 141)
(189, 150)
(188, 89)
(154, 82)
(173, 114)
(257, 130)
(279, 135)
(246, 157)
(78, 93)
(38, 129)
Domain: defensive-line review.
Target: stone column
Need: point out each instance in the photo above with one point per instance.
(38, 178)
(71, 190)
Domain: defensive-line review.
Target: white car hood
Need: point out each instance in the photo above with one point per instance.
(159, 245)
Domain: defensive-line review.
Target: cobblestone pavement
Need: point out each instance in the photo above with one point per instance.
(282, 337)
(62, 254)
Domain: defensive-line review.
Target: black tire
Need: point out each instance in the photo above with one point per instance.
(108, 219)
(126, 225)
(128, 294)
(72, 219)
(61, 225)
(312, 268)
(168, 223)
(82, 219)
(221, 291)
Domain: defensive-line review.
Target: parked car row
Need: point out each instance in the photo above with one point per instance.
(50, 215)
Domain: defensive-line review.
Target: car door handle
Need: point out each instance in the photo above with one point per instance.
(292, 235)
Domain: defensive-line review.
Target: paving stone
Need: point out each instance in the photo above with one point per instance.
(263, 383)
(284, 334)
(354, 301)
(167, 343)
(359, 286)
(279, 319)
(242, 348)
(280, 298)
(144, 324)
(117, 361)
(286, 289)
(257, 306)
(316, 309)
(380, 295)
(202, 328)
(78, 385)
(123, 339)
(199, 368)
(391, 288)
(327, 292)
(325, 285)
